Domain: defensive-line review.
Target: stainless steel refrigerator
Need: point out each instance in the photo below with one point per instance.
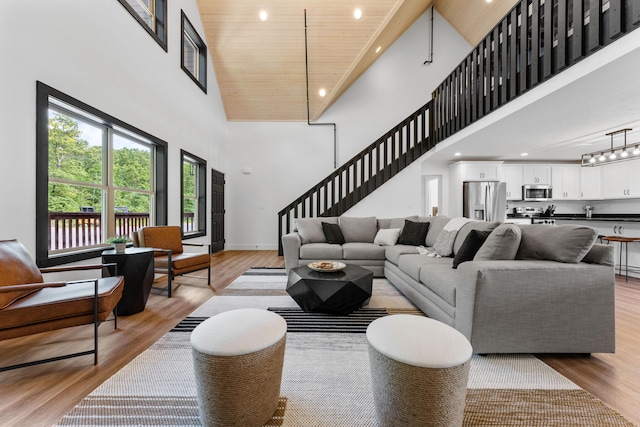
(484, 200)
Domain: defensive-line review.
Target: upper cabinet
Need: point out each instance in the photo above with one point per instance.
(512, 175)
(481, 171)
(566, 182)
(591, 183)
(621, 180)
(536, 174)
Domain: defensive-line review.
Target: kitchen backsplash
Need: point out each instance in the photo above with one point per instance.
(577, 206)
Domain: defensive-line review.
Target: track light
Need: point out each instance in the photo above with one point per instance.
(613, 154)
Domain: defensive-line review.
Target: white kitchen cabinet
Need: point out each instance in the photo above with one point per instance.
(512, 175)
(617, 180)
(566, 182)
(591, 183)
(536, 174)
(489, 171)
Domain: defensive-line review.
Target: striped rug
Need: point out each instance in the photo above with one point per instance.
(326, 379)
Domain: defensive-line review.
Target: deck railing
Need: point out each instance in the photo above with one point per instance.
(79, 229)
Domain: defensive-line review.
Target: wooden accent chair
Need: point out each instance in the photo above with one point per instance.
(29, 305)
(170, 258)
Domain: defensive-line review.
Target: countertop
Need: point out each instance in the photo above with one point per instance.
(596, 217)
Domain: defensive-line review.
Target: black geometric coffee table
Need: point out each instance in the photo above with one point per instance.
(340, 292)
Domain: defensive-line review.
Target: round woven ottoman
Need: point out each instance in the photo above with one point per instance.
(238, 358)
(419, 371)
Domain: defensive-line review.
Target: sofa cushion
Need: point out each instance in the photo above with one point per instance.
(444, 243)
(320, 251)
(332, 233)
(392, 253)
(387, 236)
(358, 250)
(563, 243)
(394, 222)
(470, 247)
(410, 264)
(359, 229)
(413, 233)
(466, 229)
(310, 229)
(437, 224)
(502, 244)
(441, 279)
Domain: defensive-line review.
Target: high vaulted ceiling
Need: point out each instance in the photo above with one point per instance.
(260, 65)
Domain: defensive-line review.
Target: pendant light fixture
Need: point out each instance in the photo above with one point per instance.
(614, 154)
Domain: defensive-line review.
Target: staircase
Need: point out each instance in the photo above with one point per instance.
(535, 41)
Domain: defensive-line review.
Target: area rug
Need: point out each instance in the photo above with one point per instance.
(326, 378)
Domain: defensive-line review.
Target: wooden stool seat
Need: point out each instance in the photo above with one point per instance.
(626, 241)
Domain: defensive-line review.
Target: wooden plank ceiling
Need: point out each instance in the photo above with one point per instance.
(260, 65)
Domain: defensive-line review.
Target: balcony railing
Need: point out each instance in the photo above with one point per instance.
(80, 229)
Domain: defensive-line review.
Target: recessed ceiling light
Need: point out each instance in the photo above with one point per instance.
(357, 13)
(378, 49)
(489, 1)
(457, 154)
(263, 15)
(322, 92)
(524, 154)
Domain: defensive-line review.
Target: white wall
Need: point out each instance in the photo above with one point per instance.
(96, 52)
(289, 158)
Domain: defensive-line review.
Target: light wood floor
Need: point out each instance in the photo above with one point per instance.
(41, 395)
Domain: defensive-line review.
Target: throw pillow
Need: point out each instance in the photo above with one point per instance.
(332, 233)
(470, 246)
(562, 243)
(413, 233)
(387, 236)
(502, 244)
(310, 229)
(444, 242)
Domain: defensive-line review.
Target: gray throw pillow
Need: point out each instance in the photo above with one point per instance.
(359, 229)
(563, 243)
(502, 244)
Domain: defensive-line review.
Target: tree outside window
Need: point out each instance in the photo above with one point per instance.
(193, 209)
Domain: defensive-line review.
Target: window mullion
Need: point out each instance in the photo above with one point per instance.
(108, 214)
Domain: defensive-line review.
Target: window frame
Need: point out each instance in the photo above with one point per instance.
(201, 195)
(43, 94)
(188, 30)
(159, 34)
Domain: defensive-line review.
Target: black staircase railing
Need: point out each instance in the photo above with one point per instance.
(363, 173)
(536, 40)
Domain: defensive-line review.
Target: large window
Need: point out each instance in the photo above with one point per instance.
(194, 195)
(152, 15)
(96, 177)
(193, 54)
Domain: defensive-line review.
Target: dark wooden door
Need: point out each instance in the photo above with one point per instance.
(217, 211)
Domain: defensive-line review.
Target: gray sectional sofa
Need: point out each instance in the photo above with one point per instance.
(527, 289)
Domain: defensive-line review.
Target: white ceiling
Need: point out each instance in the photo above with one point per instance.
(563, 118)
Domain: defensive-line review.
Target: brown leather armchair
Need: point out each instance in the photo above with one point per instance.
(29, 305)
(170, 258)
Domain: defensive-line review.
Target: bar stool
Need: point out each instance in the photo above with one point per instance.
(626, 241)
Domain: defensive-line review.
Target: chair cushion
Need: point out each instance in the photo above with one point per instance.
(57, 304)
(163, 237)
(16, 268)
(392, 253)
(441, 279)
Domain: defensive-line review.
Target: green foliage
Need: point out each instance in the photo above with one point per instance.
(72, 158)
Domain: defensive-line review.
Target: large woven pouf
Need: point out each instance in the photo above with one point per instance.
(238, 357)
(419, 371)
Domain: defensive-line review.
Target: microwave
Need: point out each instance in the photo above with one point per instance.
(536, 193)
